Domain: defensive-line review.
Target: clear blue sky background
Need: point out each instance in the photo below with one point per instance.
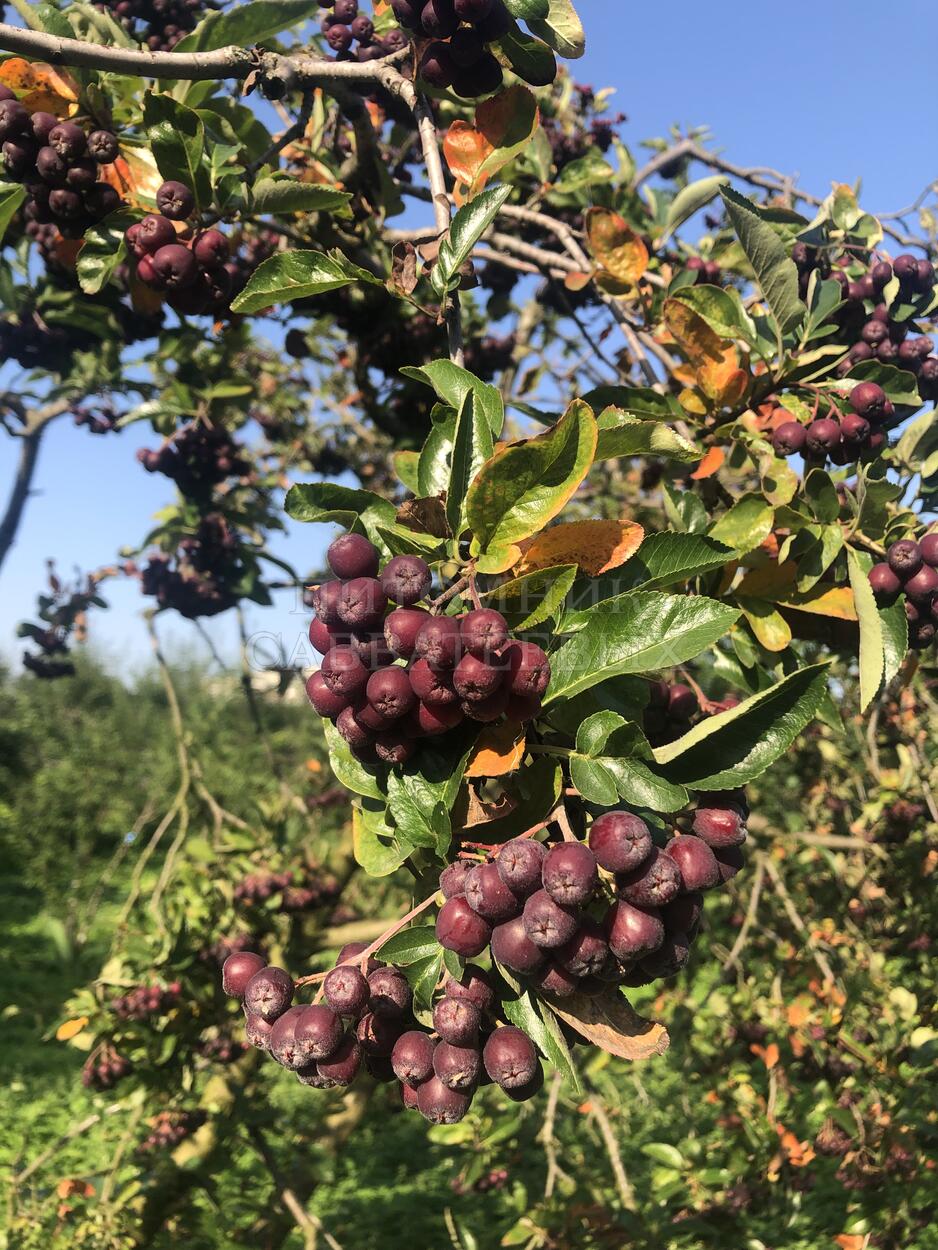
(829, 91)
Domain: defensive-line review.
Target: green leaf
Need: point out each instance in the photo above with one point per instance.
(451, 383)
(647, 631)
(584, 173)
(177, 137)
(289, 195)
(561, 30)
(298, 275)
(525, 10)
(690, 200)
(373, 842)
(533, 598)
(623, 435)
(872, 646)
(468, 225)
(732, 748)
(410, 946)
(603, 776)
(895, 625)
(532, 60)
(353, 775)
(472, 446)
(640, 784)
(661, 1152)
(423, 976)
(747, 524)
(343, 505)
(821, 496)
(540, 1024)
(406, 466)
(435, 455)
(103, 250)
(421, 795)
(723, 311)
(594, 780)
(11, 198)
(522, 486)
(247, 24)
(635, 401)
(774, 269)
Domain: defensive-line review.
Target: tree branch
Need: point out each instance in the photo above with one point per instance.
(29, 454)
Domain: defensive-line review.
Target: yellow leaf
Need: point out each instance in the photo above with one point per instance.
(498, 750)
(712, 463)
(65, 1032)
(616, 246)
(835, 601)
(41, 88)
(595, 546)
(716, 362)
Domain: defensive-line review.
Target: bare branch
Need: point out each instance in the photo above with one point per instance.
(31, 436)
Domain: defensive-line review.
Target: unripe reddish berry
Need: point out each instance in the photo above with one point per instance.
(854, 430)
(326, 702)
(719, 825)
(620, 841)
(460, 929)
(238, 970)
(696, 862)
(454, 876)
(789, 439)
(823, 436)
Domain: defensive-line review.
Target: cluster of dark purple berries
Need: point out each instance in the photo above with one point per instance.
(867, 322)
(146, 1000)
(673, 708)
(495, 1178)
(302, 893)
(169, 1128)
(62, 611)
(204, 576)
(57, 162)
(100, 418)
(222, 947)
(104, 1068)
(222, 1049)
(455, 667)
(159, 24)
(459, 31)
(351, 34)
(365, 1021)
(851, 435)
(911, 568)
(197, 458)
(551, 917)
(704, 271)
(196, 270)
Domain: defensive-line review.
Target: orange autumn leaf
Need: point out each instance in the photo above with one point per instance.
(768, 1054)
(71, 1185)
(502, 127)
(594, 546)
(716, 363)
(134, 176)
(40, 87)
(851, 1241)
(798, 1013)
(498, 750)
(616, 246)
(70, 1029)
(577, 281)
(712, 462)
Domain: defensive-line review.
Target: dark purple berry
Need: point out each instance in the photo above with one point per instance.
(510, 1058)
(460, 929)
(546, 922)
(620, 841)
(569, 873)
(519, 865)
(175, 201)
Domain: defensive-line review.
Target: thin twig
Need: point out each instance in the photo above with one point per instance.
(63, 1139)
(749, 918)
(626, 1192)
(819, 957)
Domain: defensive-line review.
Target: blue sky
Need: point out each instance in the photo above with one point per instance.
(831, 92)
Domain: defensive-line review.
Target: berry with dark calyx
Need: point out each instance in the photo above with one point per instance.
(210, 249)
(358, 736)
(50, 167)
(884, 583)
(175, 266)
(439, 1104)
(346, 990)
(42, 124)
(65, 205)
(154, 232)
(475, 680)
(925, 277)
(103, 147)
(456, 1021)
(406, 579)
(620, 841)
(484, 633)
(822, 436)
(488, 895)
(519, 865)
(789, 439)
(268, 993)
(174, 200)
(394, 748)
(438, 642)
(730, 861)
(472, 987)
(512, 948)
(854, 429)
(343, 672)
(719, 825)
(928, 546)
(238, 970)
(696, 861)
(14, 119)
(437, 67)
(412, 1057)
(905, 268)
(431, 686)
(362, 603)
(460, 929)
(923, 587)
(457, 1066)
(509, 1057)
(282, 1044)
(586, 954)
(352, 555)
(569, 873)
(633, 932)
(389, 691)
(454, 876)
(82, 175)
(669, 958)
(363, 29)
(874, 333)
(546, 922)
(557, 981)
(390, 994)
(401, 627)
(653, 883)
(377, 1034)
(325, 700)
(257, 1031)
(345, 10)
(342, 1066)
(69, 140)
(528, 669)
(904, 558)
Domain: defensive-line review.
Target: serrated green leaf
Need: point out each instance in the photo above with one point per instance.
(410, 946)
(298, 275)
(533, 598)
(352, 774)
(373, 844)
(872, 647)
(472, 446)
(623, 435)
(451, 383)
(527, 9)
(103, 250)
(722, 310)
(561, 29)
(244, 25)
(177, 137)
(775, 271)
(406, 466)
(343, 505)
(690, 200)
(747, 524)
(468, 225)
(532, 60)
(12, 196)
(289, 195)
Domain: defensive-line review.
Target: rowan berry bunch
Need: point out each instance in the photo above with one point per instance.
(843, 437)
(170, 1128)
(62, 613)
(144, 1001)
(394, 672)
(159, 24)
(222, 1050)
(104, 1068)
(222, 947)
(205, 574)
(197, 458)
(911, 569)
(460, 32)
(351, 34)
(299, 891)
(58, 163)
